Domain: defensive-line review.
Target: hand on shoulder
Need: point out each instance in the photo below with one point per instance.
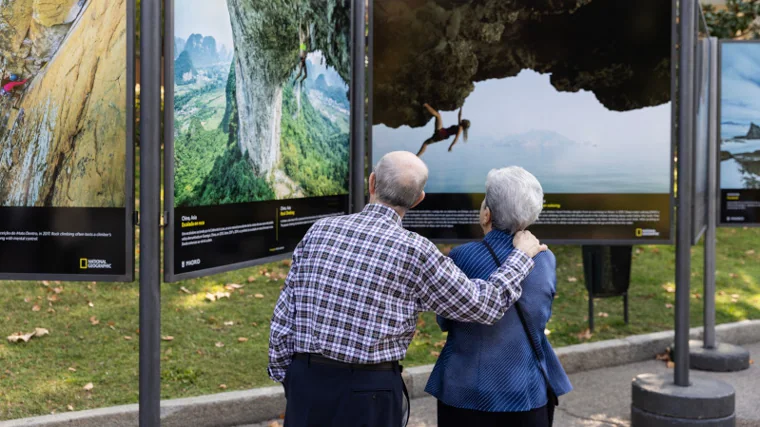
(528, 243)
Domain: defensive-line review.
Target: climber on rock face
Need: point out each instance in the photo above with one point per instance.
(441, 134)
(303, 51)
(8, 88)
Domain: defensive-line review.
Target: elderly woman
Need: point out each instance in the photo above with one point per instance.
(506, 374)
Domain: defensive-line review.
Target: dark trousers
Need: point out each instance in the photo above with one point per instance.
(451, 416)
(336, 396)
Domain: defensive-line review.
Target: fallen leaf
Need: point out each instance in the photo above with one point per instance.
(603, 314)
(721, 293)
(584, 335)
(233, 286)
(274, 424)
(242, 339)
(36, 307)
(46, 283)
(733, 275)
(223, 386)
(88, 387)
(210, 296)
(440, 344)
(547, 332)
(185, 290)
(18, 336)
(69, 407)
(750, 252)
(669, 289)
(435, 353)
(751, 362)
(58, 290)
(734, 300)
(572, 279)
(668, 305)
(91, 304)
(41, 332)
(220, 344)
(167, 338)
(94, 320)
(53, 298)
(229, 323)
(670, 365)
(127, 337)
(665, 357)
(259, 296)
(72, 369)
(735, 296)
(26, 299)
(656, 250)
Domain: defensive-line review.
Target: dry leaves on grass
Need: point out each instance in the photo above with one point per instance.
(88, 387)
(668, 305)
(572, 279)
(670, 365)
(185, 290)
(733, 275)
(69, 407)
(750, 252)
(94, 320)
(585, 335)
(251, 279)
(219, 344)
(72, 369)
(440, 344)
(35, 307)
(242, 339)
(20, 336)
(435, 353)
(233, 286)
(217, 295)
(259, 296)
(223, 386)
(603, 314)
(230, 323)
(128, 338)
(167, 338)
(669, 288)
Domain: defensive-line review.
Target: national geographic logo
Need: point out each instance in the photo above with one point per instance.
(647, 232)
(94, 264)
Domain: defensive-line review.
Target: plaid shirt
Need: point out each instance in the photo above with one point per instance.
(358, 282)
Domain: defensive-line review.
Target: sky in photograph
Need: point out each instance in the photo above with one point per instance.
(740, 88)
(206, 17)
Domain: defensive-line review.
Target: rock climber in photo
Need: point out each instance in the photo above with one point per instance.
(8, 88)
(441, 134)
(302, 53)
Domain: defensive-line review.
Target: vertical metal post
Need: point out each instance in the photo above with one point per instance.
(358, 140)
(712, 200)
(683, 227)
(150, 187)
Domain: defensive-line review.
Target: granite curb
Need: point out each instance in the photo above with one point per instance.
(261, 404)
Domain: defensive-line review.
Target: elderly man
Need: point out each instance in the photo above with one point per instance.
(349, 307)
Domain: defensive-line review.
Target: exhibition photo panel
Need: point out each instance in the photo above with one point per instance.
(580, 96)
(260, 127)
(739, 118)
(66, 132)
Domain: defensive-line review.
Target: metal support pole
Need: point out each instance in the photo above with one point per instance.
(712, 201)
(150, 187)
(683, 226)
(358, 141)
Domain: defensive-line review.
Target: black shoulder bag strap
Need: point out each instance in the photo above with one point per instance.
(552, 395)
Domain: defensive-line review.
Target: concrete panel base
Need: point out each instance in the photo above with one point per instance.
(722, 358)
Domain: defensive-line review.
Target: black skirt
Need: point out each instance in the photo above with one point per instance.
(449, 416)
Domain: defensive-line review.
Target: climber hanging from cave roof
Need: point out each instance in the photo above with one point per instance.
(441, 134)
(303, 51)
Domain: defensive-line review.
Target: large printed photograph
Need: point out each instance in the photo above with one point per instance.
(577, 93)
(63, 96)
(261, 100)
(740, 116)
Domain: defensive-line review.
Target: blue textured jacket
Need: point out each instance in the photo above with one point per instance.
(493, 368)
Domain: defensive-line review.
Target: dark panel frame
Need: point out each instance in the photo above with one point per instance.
(721, 223)
(356, 86)
(129, 180)
(673, 138)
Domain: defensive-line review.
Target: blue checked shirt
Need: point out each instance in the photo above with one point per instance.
(358, 282)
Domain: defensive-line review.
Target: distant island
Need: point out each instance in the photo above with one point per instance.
(754, 133)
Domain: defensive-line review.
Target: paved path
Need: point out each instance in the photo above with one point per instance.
(602, 398)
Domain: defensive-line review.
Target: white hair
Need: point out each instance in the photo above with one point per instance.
(400, 179)
(515, 198)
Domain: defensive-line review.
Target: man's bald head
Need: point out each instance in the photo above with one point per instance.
(400, 179)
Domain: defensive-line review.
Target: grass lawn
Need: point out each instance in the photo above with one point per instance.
(222, 345)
